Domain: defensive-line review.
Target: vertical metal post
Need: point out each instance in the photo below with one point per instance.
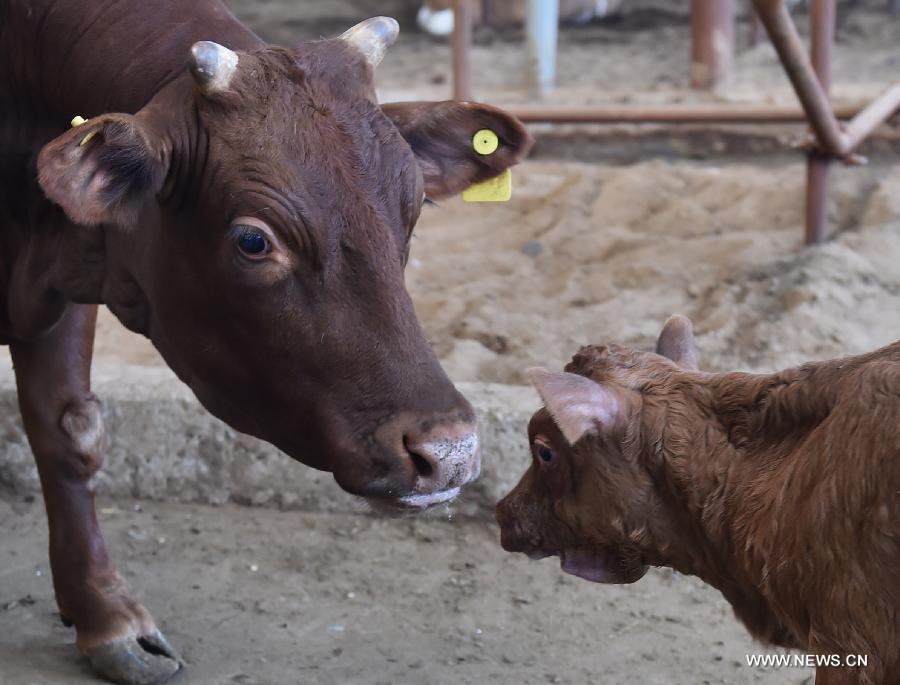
(542, 27)
(756, 28)
(712, 42)
(818, 165)
(462, 50)
(487, 12)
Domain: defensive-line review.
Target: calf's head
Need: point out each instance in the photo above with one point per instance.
(589, 494)
(254, 219)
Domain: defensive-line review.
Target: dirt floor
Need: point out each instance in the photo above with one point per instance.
(584, 253)
(257, 597)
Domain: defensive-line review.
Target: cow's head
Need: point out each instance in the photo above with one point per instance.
(255, 219)
(590, 495)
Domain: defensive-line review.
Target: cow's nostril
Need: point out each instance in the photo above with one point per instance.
(424, 468)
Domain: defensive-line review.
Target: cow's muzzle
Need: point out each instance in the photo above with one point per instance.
(425, 461)
(445, 460)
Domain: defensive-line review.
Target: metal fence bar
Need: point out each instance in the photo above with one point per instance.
(809, 74)
(462, 50)
(542, 29)
(818, 165)
(876, 113)
(669, 114)
(712, 42)
(783, 34)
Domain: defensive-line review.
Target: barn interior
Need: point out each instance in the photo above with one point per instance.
(262, 571)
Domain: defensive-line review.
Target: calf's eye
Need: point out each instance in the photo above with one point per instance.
(545, 454)
(252, 242)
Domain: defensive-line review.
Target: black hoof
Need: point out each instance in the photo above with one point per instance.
(142, 660)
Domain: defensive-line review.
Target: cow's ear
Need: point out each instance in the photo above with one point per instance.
(577, 404)
(441, 135)
(676, 342)
(103, 171)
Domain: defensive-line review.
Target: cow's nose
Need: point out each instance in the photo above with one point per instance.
(420, 459)
(444, 458)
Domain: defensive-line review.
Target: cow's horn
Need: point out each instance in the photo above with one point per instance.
(373, 37)
(212, 65)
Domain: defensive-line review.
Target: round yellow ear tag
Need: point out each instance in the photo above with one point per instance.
(485, 142)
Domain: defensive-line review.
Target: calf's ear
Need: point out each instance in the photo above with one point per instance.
(676, 342)
(441, 136)
(577, 404)
(102, 171)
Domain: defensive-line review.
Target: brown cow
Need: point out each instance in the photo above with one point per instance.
(780, 490)
(248, 208)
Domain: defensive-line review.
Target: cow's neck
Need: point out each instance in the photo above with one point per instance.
(92, 58)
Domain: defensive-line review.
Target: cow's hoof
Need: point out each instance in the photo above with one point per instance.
(143, 660)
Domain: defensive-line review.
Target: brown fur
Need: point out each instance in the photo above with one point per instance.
(312, 344)
(780, 490)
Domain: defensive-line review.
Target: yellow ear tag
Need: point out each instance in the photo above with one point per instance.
(497, 189)
(78, 121)
(485, 142)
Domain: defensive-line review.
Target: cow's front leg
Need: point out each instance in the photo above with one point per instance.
(65, 428)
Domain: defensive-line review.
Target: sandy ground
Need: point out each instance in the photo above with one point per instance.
(340, 600)
(584, 253)
(588, 254)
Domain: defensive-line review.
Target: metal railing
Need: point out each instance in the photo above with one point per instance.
(836, 133)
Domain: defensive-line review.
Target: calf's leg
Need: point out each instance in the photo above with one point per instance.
(65, 429)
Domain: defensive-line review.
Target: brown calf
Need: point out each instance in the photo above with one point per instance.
(780, 490)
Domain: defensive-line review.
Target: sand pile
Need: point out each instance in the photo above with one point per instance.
(587, 254)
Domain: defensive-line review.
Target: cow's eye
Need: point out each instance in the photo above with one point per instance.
(545, 454)
(252, 242)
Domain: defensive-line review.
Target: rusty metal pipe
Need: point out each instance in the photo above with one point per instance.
(756, 28)
(462, 50)
(667, 114)
(712, 42)
(817, 184)
(870, 118)
(818, 166)
(799, 68)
